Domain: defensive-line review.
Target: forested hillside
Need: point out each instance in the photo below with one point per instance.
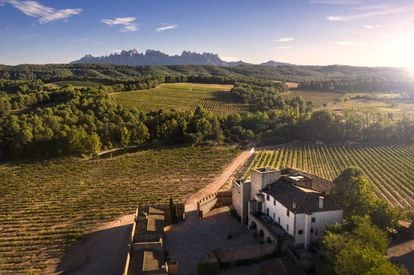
(346, 77)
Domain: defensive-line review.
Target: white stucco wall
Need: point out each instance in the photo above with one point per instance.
(301, 221)
(279, 211)
(322, 219)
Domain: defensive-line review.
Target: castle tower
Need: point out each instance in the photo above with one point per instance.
(260, 177)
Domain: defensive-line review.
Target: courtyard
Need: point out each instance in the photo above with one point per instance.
(191, 241)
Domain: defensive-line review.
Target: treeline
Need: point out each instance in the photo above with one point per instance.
(68, 120)
(102, 72)
(267, 95)
(87, 121)
(358, 85)
(356, 126)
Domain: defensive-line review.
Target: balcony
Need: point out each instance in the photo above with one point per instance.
(261, 220)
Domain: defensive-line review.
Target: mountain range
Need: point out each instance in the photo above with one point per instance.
(153, 57)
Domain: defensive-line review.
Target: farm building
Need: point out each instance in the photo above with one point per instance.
(146, 255)
(280, 206)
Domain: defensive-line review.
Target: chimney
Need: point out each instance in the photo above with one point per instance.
(321, 198)
(294, 205)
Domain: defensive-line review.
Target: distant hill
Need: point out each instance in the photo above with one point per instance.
(272, 63)
(152, 57)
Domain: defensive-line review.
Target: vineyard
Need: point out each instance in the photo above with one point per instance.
(390, 103)
(47, 206)
(182, 96)
(390, 168)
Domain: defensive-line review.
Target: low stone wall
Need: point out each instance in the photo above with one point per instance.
(222, 198)
(248, 253)
(206, 204)
(128, 259)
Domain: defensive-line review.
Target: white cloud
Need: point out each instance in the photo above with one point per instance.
(372, 27)
(284, 39)
(128, 24)
(350, 43)
(338, 18)
(370, 11)
(44, 13)
(335, 2)
(165, 27)
(130, 28)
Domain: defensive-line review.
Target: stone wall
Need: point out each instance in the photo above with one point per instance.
(206, 204)
(166, 209)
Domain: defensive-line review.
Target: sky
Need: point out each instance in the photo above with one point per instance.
(307, 32)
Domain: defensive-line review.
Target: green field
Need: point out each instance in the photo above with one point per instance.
(317, 98)
(182, 96)
(390, 168)
(394, 104)
(46, 206)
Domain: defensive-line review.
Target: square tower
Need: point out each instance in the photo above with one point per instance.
(261, 177)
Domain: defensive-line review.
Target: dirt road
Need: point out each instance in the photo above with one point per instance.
(219, 181)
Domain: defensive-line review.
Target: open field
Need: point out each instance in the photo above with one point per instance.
(317, 98)
(394, 104)
(182, 96)
(390, 168)
(46, 206)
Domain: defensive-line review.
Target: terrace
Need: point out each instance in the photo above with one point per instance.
(263, 223)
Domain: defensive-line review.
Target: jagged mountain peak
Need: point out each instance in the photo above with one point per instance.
(154, 57)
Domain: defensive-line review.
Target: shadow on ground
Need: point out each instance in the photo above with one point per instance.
(101, 252)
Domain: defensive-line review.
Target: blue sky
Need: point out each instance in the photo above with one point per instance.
(354, 32)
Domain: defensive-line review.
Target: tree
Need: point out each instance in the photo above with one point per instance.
(355, 247)
(356, 259)
(354, 192)
(385, 216)
(367, 233)
(173, 211)
(94, 144)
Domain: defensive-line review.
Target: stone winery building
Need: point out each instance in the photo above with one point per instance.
(285, 205)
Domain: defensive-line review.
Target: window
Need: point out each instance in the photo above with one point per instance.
(287, 228)
(274, 202)
(300, 232)
(267, 197)
(267, 211)
(273, 216)
(311, 231)
(287, 212)
(316, 232)
(278, 220)
(313, 219)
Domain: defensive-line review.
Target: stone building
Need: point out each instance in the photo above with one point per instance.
(147, 252)
(284, 206)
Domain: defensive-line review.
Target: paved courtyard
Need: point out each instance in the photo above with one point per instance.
(191, 241)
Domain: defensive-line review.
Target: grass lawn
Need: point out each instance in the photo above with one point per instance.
(182, 96)
(46, 206)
